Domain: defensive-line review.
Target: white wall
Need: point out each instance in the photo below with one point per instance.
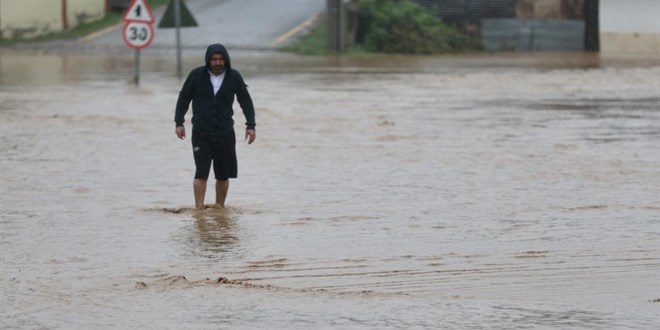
(32, 18)
(85, 11)
(630, 16)
(630, 26)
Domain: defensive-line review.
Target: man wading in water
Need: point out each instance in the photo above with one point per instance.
(212, 88)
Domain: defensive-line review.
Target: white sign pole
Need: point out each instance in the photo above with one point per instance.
(138, 31)
(136, 65)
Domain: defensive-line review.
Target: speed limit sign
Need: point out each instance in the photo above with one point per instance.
(138, 35)
(138, 30)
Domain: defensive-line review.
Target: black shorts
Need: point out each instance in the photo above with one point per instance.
(219, 149)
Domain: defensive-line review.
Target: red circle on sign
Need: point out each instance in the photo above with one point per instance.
(140, 36)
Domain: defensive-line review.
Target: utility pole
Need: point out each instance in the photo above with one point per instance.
(335, 26)
(177, 26)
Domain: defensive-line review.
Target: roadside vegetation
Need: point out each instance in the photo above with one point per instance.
(109, 19)
(392, 26)
(312, 43)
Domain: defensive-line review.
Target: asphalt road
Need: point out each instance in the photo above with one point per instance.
(238, 24)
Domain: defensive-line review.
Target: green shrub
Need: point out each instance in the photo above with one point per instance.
(404, 27)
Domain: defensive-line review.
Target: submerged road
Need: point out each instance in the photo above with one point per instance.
(383, 192)
(244, 24)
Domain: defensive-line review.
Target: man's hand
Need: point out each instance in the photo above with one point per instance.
(250, 135)
(181, 132)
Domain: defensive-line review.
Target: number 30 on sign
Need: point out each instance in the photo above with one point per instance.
(138, 35)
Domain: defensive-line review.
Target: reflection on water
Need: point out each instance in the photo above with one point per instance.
(383, 192)
(51, 69)
(215, 229)
(54, 69)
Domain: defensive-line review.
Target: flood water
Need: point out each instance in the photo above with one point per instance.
(496, 191)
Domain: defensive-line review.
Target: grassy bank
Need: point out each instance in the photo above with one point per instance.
(312, 43)
(109, 19)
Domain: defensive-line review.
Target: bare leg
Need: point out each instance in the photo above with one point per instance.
(221, 188)
(199, 186)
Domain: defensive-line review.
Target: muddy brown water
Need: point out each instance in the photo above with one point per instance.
(498, 191)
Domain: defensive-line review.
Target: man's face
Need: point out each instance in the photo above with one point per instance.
(217, 63)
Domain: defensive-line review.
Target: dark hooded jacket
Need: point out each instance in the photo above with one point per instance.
(212, 114)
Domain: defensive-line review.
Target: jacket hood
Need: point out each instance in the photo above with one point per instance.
(218, 48)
